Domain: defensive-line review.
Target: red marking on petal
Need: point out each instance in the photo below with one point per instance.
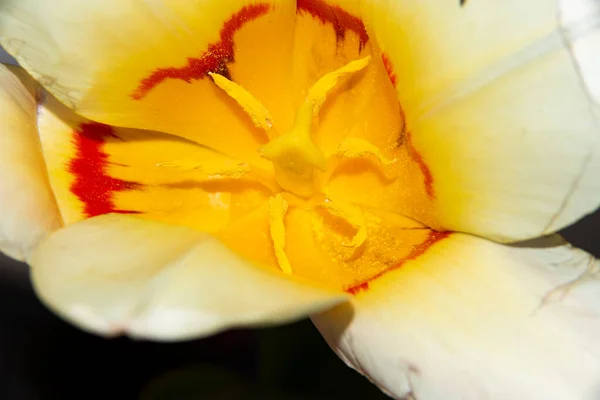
(389, 68)
(354, 290)
(337, 16)
(417, 251)
(418, 158)
(92, 185)
(214, 59)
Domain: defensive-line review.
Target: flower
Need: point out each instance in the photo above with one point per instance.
(184, 167)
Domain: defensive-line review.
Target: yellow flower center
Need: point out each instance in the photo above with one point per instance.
(303, 164)
(297, 160)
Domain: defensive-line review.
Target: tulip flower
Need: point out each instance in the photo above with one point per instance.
(395, 169)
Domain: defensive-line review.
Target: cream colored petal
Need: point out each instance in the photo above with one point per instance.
(145, 64)
(472, 319)
(28, 207)
(502, 101)
(116, 274)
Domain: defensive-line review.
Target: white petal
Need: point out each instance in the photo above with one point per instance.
(471, 319)
(502, 103)
(580, 21)
(28, 207)
(116, 274)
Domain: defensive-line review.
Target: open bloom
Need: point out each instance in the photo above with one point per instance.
(178, 168)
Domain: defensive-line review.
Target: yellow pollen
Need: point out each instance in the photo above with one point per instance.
(260, 116)
(356, 147)
(353, 148)
(351, 214)
(221, 170)
(213, 170)
(317, 94)
(277, 209)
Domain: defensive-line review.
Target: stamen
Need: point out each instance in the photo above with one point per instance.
(277, 209)
(210, 170)
(351, 214)
(317, 94)
(222, 169)
(353, 147)
(261, 117)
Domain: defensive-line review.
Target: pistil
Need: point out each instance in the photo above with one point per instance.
(295, 156)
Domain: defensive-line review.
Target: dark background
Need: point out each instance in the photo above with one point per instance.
(41, 357)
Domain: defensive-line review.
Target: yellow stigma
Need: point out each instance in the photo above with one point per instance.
(294, 155)
(295, 158)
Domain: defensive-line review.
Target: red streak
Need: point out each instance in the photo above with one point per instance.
(389, 68)
(214, 59)
(354, 290)
(418, 158)
(337, 16)
(92, 185)
(414, 154)
(417, 251)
